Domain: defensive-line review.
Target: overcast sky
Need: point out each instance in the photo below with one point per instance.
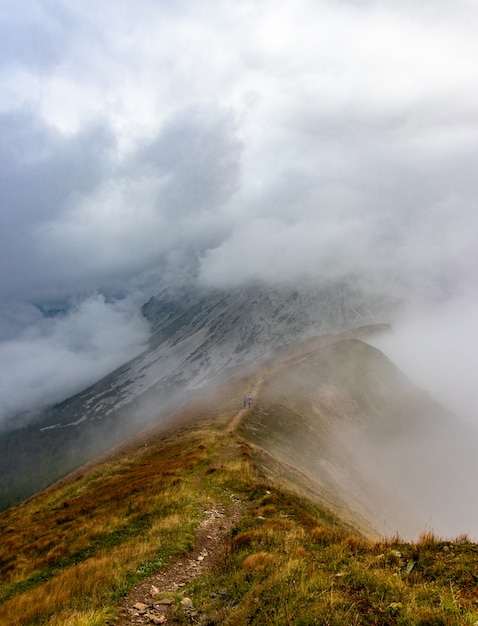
(231, 139)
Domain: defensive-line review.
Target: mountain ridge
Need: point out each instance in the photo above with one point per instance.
(359, 426)
(100, 544)
(200, 337)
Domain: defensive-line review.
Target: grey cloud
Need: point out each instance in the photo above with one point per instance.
(40, 171)
(382, 209)
(54, 357)
(73, 198)
(238, 142)
(438, 348)
(40, 167)
(34, 34)
(199, 152)
(15, 317)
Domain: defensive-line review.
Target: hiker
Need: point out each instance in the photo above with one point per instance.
(249, 399)
(244, 400)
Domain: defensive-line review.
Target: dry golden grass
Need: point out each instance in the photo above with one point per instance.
(82, 545)
(97, 617)
(69, 555)
(289, 567)
(258, 561)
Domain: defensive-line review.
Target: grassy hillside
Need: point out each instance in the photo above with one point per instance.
(358, 433)
(294, 554)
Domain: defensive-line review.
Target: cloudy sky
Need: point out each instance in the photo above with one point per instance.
(231, 140)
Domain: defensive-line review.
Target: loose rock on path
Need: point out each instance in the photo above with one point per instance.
(142, 606)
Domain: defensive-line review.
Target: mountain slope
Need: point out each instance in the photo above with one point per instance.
(289, 474)
(200, 338)
(358, 430)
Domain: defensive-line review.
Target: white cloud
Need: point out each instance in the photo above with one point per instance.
(54, 357)
(277, 251)
(438, 349)
(245, 139)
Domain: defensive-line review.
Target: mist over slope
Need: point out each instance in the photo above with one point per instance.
(200, 525)
(342, 422)
(332, 416)
(200, 337)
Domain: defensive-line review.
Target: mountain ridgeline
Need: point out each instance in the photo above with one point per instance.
(200, 338)
(303, 508)
(341, 423)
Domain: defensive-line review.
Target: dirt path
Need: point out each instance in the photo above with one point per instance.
(234, 423)
(140, 606)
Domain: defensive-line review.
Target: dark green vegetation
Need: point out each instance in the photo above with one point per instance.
(300, 553)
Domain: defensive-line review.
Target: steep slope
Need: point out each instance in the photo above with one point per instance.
(200, 337)
(355, 431)
(281, 486)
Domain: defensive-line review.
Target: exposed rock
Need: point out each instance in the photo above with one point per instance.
(141, 607)
(157, 619)
(154, 591)
(187, 603)
(210, 542)
(164, 602)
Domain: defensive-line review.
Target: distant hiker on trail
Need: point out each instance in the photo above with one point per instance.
(249, 400)
(244, 400)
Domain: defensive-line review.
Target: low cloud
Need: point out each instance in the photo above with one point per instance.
(438, 349)
(274, 250)
(53, 357)
(232, 143)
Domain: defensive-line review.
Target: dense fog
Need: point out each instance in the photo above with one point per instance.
(153, 143)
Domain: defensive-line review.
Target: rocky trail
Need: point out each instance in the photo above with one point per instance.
(141, 607)
(155, 599)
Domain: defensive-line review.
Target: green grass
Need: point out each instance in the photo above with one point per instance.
(70, 555)
(286, 567)
(110, 527)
